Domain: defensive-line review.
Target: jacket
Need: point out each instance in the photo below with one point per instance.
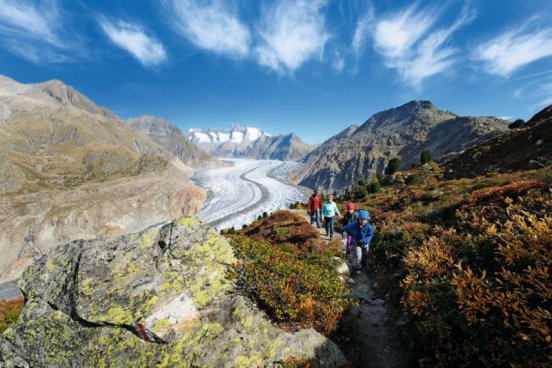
(348, 218)
(330, 210)
(361, 235)
(315, 203)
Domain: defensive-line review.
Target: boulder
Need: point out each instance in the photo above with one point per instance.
(161, 297)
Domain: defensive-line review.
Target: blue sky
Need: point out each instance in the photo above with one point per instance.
(310, 67)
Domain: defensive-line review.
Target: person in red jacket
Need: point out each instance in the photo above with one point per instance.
(314, 206)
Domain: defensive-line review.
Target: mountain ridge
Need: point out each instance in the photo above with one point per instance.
(173, 139)
(70, 169)
(249, 142)
(402, 131)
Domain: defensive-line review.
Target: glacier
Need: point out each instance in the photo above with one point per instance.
(242, 192)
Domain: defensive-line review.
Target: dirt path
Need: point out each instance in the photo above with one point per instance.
(370, 325)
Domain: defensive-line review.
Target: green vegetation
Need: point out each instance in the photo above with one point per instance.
(473, 260)
(425, 157)
(290, 272)
(393, 166)
(519, 123)
(9, 312)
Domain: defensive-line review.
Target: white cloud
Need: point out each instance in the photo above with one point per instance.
(409, 42)
(212, 26)
(292, 32)
(362, 30)
(394, 36)
(133, 39)
(33, 30)
(514, 49)
(338, 61)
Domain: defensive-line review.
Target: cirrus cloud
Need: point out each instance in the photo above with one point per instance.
(291, 33)
(513, 49)
(212, 26)
(35, 31)
(133, 39)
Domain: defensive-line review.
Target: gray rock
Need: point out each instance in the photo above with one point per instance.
(89, 303)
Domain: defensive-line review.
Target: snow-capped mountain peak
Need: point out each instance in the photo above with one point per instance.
(240, 141)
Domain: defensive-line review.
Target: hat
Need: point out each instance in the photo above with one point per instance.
(363, 215)
(350, 206)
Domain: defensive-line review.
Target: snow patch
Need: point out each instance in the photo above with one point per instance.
(202, 137)
(237, 137)
(252, 134)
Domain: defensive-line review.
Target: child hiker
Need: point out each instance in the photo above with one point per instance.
(329, 210)
(362, 234)
(350, 217)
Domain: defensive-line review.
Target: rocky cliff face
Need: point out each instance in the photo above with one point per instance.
(156, 298)
(169, 136)
(70, 169)
(360, 152)
(240, 142)
(529, 147)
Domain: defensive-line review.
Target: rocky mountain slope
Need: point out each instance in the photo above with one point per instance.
(526, 148)
(405, 131)
(70, 169)
(251, 143)
(156, 298)
(169, 136)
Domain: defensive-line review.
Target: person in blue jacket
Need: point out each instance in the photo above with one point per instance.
(362, 234)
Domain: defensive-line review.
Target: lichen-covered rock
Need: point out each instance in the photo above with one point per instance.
(159, 298)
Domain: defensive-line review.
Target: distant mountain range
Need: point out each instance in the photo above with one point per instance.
(525, 148)
(360, 152)
(170, 137)
(238, 141)
(70, 169)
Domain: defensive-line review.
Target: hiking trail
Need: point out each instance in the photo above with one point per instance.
(371, 325)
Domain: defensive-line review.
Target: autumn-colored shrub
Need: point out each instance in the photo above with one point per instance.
(282, 227)
(9, 312)
(484, 297)
(293, 362)
(490, 194)
(293, 291)
(291, 272)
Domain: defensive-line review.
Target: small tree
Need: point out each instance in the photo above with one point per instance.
(374, 186)
(393, 165)
(361, 183)
(425, 157)
(519, 123)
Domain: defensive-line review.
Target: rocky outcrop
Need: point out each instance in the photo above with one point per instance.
(169, 136)
(161, 297)
(525, 148)
(70, 169)
(405, 131)
(248, 142)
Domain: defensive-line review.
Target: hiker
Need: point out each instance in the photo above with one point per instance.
(350, 217)
(362, 234)
(314, 206)
(329, 210)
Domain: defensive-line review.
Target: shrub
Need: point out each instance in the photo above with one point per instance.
(412, 179)
(393, 166)
(292, 291)
(425, 156)
(483, 296)
(519, 123)
(9, 312)
(374, 186)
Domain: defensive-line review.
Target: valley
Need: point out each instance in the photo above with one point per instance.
(242, 192)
